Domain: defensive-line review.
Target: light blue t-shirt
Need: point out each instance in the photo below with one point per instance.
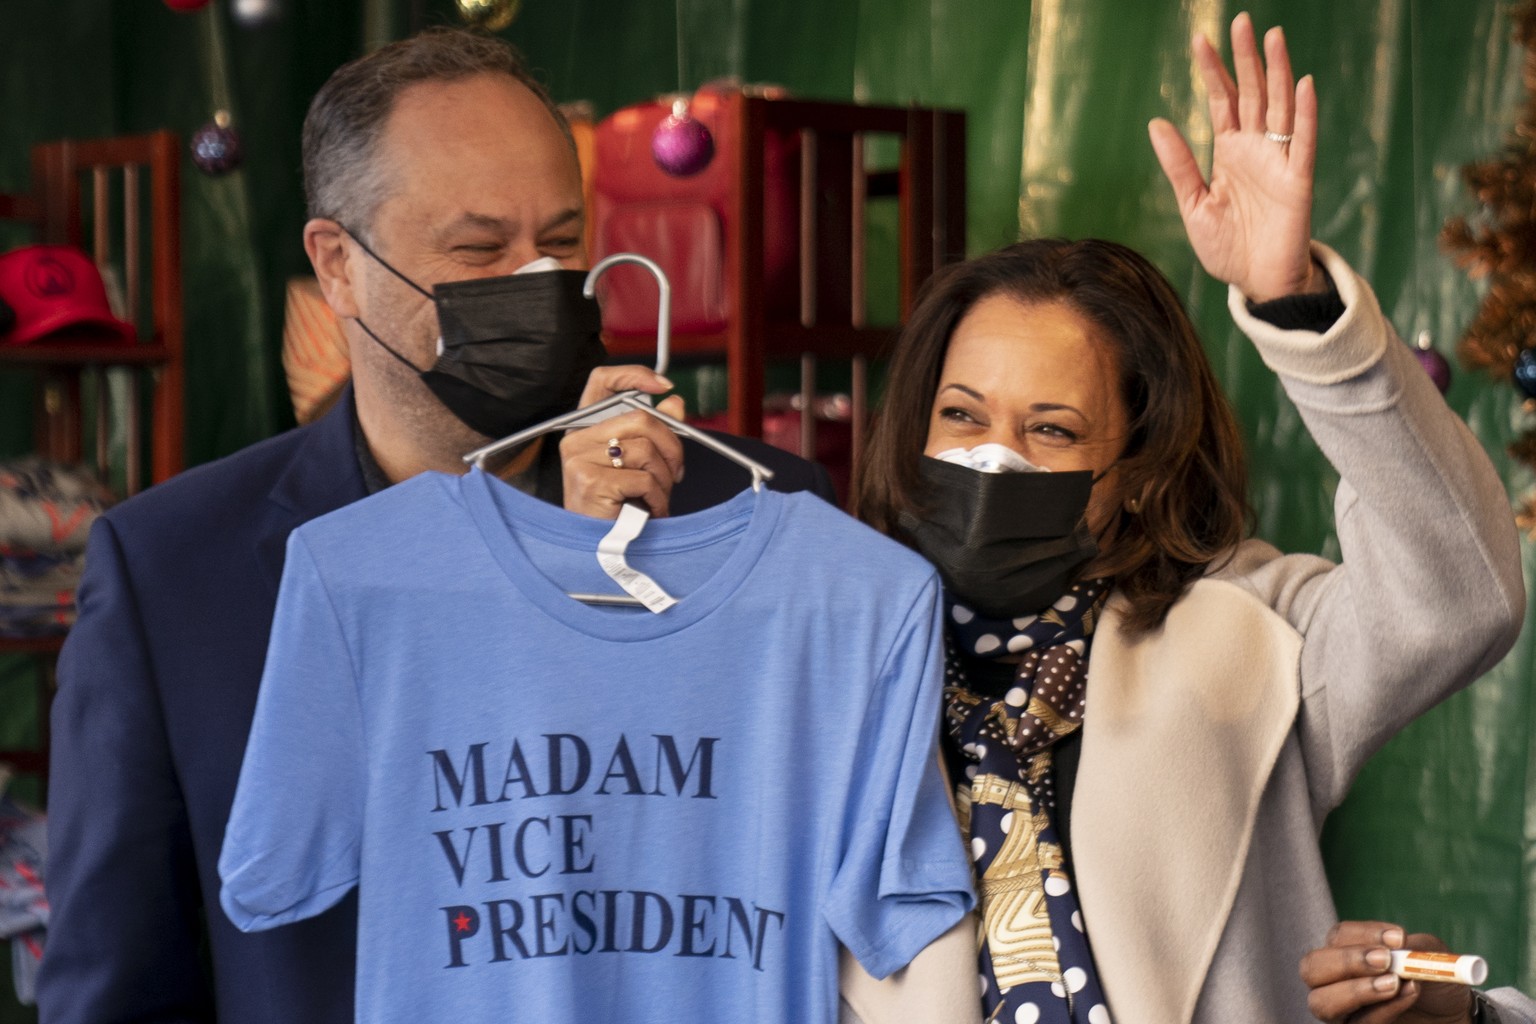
(555, 811)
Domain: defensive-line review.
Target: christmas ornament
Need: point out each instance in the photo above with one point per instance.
(216, 146)
(1498, 244)
(186, 5)
(1525, 515)
(254, 13)
(682, 145)
(1433, 362)
(1525, 372)
(490, 15)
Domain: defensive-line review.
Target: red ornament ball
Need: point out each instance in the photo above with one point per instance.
(216, 147)
(186, 5)
(682, 145)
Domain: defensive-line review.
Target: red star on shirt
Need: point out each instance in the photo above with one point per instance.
(461, 923)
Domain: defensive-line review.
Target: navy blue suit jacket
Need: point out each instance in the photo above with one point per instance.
(157, 686)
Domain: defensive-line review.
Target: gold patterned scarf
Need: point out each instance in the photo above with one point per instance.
(1035, 960)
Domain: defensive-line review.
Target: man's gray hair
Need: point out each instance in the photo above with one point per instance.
(342, 180)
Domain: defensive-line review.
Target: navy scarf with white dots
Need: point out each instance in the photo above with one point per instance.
(1036, 963)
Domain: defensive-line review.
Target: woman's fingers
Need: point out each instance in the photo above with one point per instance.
(1424, 942)
(1333, 964)
(1251, 100)
(1304, 131)
(1366, 933)
(1349, 978)
(1280, 85)
(1178, 163)
(1346, 979)
(1384, 994)
(1219, 87)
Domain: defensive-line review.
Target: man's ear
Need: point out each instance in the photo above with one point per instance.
(325, 242)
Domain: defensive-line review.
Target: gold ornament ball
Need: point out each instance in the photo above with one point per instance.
(491, 15)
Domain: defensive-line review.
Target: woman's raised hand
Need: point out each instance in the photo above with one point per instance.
(1251, 224)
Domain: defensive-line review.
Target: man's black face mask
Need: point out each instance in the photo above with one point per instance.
(513, 350)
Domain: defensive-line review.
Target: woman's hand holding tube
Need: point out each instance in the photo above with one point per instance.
(1350, 980)
(1251, 223)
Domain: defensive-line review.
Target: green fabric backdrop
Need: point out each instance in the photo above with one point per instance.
(1439, 832)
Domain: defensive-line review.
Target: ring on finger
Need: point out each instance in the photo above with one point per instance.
(615, 453)
(1284, 138)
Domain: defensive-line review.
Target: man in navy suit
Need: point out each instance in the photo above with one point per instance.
(442, 157)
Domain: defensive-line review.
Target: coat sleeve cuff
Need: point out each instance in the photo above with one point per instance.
(1351, 346)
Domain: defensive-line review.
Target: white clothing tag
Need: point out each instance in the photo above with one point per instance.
(610, 555)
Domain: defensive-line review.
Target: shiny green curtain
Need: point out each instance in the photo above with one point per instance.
(1058, 93)
(1435, 832)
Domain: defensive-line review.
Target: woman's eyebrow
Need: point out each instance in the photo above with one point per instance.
(1056, 407)
(972, 392)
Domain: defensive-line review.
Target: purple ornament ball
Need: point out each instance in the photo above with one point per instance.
(1435, 365)
(682, 145)
(216, 146)
(254, 13)
(1525, 372)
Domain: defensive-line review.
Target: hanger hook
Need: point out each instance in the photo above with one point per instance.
(663, 307)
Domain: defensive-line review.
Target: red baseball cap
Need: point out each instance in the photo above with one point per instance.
(51, 288)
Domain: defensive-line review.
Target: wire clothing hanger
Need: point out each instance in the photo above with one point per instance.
(632, 516)
(617, 404)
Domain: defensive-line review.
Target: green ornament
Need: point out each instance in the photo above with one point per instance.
(490, 15)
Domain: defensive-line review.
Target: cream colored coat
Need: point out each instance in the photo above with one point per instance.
(1214, 748)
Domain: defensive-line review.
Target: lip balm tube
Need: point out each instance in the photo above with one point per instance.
(1444, 967)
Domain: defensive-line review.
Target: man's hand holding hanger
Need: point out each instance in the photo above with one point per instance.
(628, 457)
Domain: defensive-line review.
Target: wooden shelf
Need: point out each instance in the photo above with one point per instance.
(31, 644)
(118, 200)
(29, 762)
(85, 353)
(780, 341)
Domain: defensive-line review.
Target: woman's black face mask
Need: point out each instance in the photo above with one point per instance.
(513, 350)
(1006, 544)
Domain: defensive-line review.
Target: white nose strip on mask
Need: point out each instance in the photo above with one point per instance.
(539, 265)
(990, 458)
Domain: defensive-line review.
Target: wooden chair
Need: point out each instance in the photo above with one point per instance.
(826, 317)
(119, 200)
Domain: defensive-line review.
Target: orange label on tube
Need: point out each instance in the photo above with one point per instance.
(1440, 967)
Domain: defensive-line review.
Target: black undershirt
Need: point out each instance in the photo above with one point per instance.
(544, 480)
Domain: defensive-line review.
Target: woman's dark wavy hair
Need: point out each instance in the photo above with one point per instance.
(1183, 457)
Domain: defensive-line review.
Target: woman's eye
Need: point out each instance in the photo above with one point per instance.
(560, 244)
(956, 415)
(1055, 431)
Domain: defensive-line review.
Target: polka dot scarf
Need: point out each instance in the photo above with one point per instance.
(1036, 964)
